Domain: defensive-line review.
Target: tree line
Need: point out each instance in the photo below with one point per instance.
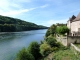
(9, 24)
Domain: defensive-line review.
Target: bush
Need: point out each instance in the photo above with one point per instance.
(47, 33)
(62, 30)
(34, 50)
(45, 49)
(51, 30)
(51, 41)
(54, 49)
(54, 44)
(24, 55)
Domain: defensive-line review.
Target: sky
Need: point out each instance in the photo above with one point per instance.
(41, 12)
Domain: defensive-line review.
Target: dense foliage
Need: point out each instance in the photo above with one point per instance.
(31, 53)
(8, 24)
(51, 41)
(34, 50)
(50, 36)
(45, 49)
(24, 55)
(62, 30)
(51, 30)
(57, 29)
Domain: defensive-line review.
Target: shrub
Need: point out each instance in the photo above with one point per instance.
(34, 50)
(62, 30)
(47, 33)
(54, 44)
(24, 55)
(53, 49)
(51, 41)
(51, 30)
(45, 49)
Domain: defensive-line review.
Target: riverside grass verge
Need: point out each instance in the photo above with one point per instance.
(67, 54)
(77, 45)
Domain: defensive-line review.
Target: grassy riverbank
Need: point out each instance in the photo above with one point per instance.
(67, 54)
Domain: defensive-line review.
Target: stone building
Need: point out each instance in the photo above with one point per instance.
(74, 25)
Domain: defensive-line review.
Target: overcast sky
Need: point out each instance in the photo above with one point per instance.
(41, 12)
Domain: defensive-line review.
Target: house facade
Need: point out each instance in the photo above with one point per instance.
(74, 25)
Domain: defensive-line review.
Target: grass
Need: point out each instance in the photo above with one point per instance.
(65, 55)
(77, 45)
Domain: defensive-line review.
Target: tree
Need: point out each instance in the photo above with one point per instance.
(48, 32)
(51, 41)
(51, 30)
(62, 30)
(45, 49)
(24, 55)
(34, 50)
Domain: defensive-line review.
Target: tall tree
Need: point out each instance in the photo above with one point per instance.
(34, 50)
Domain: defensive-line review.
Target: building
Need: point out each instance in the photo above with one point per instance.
(74, 25)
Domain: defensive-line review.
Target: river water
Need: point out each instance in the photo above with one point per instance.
(12, 42)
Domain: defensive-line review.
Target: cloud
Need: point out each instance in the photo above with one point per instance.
(13, 7)
(16, 6)
(46, 5)
(15, 12)
(4, 4)
(12, 4)
(12, 12)
(50, 22)
(24, 0)
(8, 8)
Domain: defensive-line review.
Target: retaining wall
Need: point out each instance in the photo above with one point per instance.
(73, 39)
(63, 40)
(67, 40)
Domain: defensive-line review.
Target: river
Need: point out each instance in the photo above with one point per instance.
(12, 42)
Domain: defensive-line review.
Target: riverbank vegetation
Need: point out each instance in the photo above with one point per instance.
(67, 54)
(32, 51)
(49, 48)
(59, 29)
(40, 51)
(8, 24)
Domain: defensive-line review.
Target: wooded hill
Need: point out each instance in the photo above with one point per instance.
(9, 24)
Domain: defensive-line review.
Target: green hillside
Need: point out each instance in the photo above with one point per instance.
(9, 24)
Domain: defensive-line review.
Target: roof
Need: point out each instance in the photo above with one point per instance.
(77, 18)
(72, 18)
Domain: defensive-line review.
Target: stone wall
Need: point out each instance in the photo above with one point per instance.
(67, 40)
(63, 40)
(73, 39)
